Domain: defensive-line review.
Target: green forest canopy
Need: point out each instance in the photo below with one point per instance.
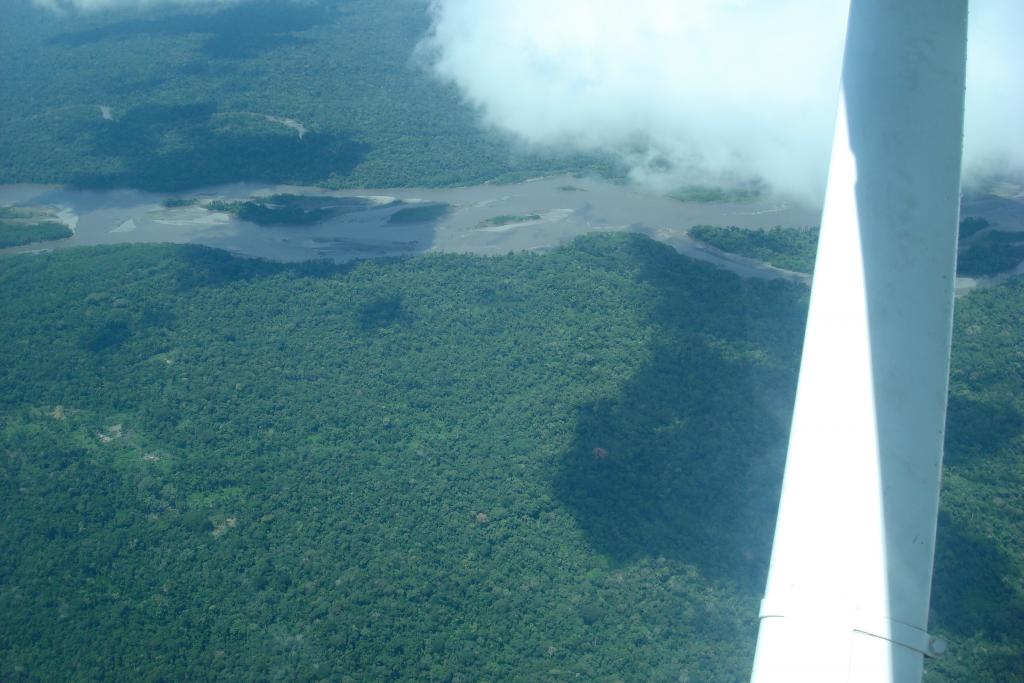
(439, 468)
(983, 250)
(20, 226)
(787, 248)
(197, 95)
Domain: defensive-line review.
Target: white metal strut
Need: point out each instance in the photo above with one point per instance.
(850, 578)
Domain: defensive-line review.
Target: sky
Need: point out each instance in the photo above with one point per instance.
(710, 92)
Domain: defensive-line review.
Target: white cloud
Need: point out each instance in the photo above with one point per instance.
(994, 135)
(718, 90)
(721, 89)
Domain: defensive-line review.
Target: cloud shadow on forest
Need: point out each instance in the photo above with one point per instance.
(692, 447)
(965, 442)
(972, 590)
(682, 474)
(202, 266)
(169, 148)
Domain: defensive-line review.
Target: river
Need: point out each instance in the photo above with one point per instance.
(565, 207)
(561, 208)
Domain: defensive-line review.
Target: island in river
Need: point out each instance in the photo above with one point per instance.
(550, 216)
(489, 219)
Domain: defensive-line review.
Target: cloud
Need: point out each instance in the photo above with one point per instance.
(688, 91)
(698, 91)
(994, 135)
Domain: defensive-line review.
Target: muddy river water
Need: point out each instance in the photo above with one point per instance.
(560, 208)
(551, 211)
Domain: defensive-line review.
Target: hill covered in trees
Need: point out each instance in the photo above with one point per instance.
(445, 468)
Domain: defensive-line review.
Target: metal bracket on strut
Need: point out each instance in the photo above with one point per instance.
(896, 632)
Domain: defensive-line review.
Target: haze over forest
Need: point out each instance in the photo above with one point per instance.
(506, 395)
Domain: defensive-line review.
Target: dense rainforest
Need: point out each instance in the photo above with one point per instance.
(20, 226)
(437, 468)
(991, 253)
(982, 250)
(787, 248)
(319, 92)
(448, 468)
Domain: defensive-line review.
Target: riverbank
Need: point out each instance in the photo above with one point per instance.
(536, 215)
(560, 208)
